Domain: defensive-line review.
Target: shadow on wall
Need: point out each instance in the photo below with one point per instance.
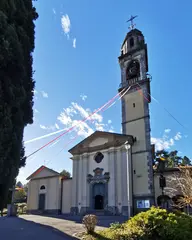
(14, 227)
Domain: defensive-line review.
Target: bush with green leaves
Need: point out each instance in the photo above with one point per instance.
(90, 222)
(154, 224)
(115, 225)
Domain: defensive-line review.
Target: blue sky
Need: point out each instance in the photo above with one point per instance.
(76, 71)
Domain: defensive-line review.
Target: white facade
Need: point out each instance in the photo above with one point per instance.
(109, 174)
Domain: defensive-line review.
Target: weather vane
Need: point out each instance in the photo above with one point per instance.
(131, 27)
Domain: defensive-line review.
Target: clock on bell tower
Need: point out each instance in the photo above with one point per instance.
(135, 112)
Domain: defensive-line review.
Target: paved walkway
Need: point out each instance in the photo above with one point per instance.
(69, 226)
(34, 227)
(19, 228)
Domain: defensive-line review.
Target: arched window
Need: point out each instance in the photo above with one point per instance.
(42, 187)
(131, 42)
(133, 70)
(98, 157)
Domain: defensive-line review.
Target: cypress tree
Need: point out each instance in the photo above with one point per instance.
(17, 37)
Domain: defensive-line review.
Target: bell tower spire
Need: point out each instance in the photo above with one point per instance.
(133, 62)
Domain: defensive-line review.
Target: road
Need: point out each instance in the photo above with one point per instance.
(18, 228)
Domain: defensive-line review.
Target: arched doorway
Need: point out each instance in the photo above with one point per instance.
(98, 196)
(99, 204)
(42, 198)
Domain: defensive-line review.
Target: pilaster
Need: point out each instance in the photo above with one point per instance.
(74, 207)
(111, 164)
(84, 180)
(80, 182)
(124, 182)
(119, 182)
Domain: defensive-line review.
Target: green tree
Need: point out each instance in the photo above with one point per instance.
(17, 31)
(19, 195)
(171, 159)
(186, 161)
(65, 173)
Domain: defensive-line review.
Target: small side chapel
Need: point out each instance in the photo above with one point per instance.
(112, 173)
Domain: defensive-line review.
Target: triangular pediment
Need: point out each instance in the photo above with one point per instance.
(43, 172)
(100, 140)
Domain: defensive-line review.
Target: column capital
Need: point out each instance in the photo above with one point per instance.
(85, 155)
(75, 157)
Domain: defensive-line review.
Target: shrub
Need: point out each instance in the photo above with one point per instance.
(154, 224)
(157, 223)
(115, 225)
(90, 222)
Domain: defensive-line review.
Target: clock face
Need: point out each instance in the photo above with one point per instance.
(133, 70)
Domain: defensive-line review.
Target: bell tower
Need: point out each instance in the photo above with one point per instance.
(135, 115)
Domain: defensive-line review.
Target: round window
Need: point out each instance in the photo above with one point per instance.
(98, 157)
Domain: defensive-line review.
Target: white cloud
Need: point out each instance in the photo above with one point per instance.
(161, 143)
(111, 130)
(44, 94)
(83, 97)
(54, 11)
(166, 141)
(66, 24)
(109, 121)
(43, 127)
(85, 113)
(36, 111)
(73, 115)
(167, 130)
(74, 42)
(178, 136)
(52, 127)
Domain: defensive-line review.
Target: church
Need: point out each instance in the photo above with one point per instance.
(112, 173)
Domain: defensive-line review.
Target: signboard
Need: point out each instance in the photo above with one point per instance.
(143, 204)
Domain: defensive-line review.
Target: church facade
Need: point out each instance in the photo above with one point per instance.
(112, 173)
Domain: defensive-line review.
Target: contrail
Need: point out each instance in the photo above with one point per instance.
(44, 136)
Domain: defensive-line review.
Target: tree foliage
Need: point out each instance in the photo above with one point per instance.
(17, 31)
(171, 159)
(65, 173)
(20, 195)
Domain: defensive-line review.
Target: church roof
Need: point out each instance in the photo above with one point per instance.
(40, 170)
(105, 140)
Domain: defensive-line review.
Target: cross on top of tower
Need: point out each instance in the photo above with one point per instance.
(131, 27)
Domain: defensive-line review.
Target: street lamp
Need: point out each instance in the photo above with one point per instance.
(127, 147)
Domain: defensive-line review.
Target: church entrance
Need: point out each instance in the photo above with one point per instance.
(98, 196)
(42, 201)
(99, 202)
